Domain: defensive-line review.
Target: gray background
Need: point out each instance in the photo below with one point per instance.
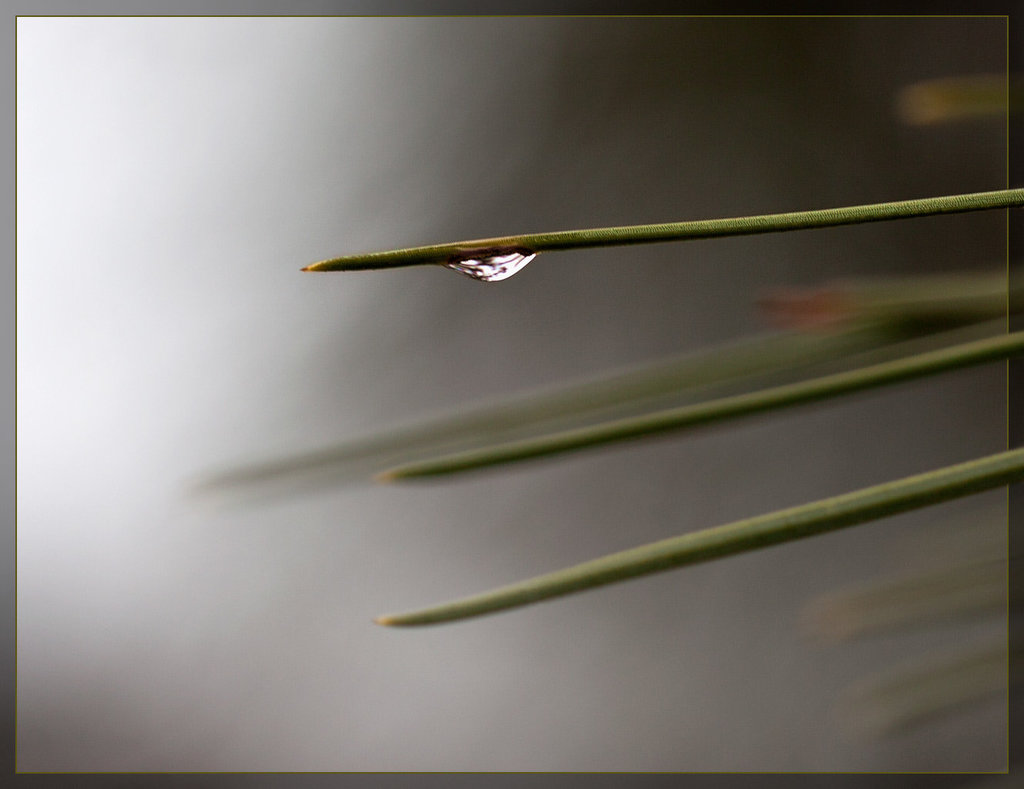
(174, 174)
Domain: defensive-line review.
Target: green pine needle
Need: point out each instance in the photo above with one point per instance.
(931, 363)
(753, 362)
(676, 231)
(774, 528)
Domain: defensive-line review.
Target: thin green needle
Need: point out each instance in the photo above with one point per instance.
(782, 526)
(673, 231)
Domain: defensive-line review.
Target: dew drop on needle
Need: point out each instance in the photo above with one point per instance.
(491, 265)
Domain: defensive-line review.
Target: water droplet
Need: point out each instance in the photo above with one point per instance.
(491, 265)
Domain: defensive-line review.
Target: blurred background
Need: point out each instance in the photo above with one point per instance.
(174, 174)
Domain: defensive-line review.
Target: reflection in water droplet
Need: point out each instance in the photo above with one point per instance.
(491, 265)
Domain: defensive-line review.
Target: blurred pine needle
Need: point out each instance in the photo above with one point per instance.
(949, 99)
(771, 399)
(964, 589)
(898, 699)
(869, 321)
(962, 576)
(687, 378)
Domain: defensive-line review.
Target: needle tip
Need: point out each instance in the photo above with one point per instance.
(384, 620)
(385, 477)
